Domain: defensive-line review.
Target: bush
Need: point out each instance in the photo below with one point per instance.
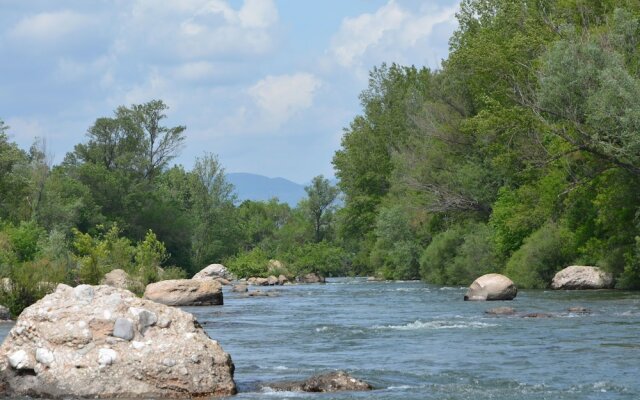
(630, 277)
(249, 264)
(395, 253)
(546, 251)
(459, 255)
(24, 239)
(30, 281)
(322, 258)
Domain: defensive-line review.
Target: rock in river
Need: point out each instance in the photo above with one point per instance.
(310, 278)
(5, 314)
(215, 271)
(100, 341)
(501, 311)
(492, 287)
(582, 277)
(338, 381)
(185, 292)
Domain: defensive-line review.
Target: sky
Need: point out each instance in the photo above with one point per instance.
(267, 85)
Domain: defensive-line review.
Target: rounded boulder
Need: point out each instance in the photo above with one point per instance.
(577, 277)
(491, 287)
(185, 292)
(214, 271)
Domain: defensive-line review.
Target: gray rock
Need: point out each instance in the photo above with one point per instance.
(282, 279)
(579, 310)
(123, 329)
(578, 277)
(214, 271)
(118, 278)
(5, 314)
(61, 347)
(491, 287)
(185, 292)
(310, 278)
(260, 293)
(537, 315)
(261, 282)
(240, 288)
(272, 280)
(338, 381)
(501, 311)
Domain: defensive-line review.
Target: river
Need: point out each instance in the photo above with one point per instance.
(411, 340)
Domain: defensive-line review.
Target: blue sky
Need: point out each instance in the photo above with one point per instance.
(268, 85)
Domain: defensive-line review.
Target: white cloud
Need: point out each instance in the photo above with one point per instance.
(197, 29)
(386, 34)
(281, 97)
(258, 14)
(51, 26)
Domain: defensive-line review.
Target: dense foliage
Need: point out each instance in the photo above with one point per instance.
(116, 203)
(521, 155)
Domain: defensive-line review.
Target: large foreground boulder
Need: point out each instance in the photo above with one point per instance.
(215, 271)
(582, 277)
(492, 287)
(185, 292)
(103, 342)
(338, 381)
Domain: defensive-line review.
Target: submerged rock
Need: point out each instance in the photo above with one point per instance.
(260, 293)
(538, 315)
(338, 381)
(491, 287)
(100, 341)
(578, 277)
(501, 311)
(185, 292)
(579, 310)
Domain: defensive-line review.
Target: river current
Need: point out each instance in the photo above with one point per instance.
(411, 340)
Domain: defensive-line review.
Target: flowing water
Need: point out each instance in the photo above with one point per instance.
(416, 341)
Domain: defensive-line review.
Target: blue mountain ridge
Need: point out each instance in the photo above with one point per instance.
(261, 188)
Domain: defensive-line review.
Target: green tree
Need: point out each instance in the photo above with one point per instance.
(14, 185)
(216, 233)
(321, 196)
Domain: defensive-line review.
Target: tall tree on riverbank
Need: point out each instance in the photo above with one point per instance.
(321, 196)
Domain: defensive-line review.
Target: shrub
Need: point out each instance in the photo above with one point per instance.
(395, 253)
(248, 264)
(322, 258)
(545, 252)
(459, 255)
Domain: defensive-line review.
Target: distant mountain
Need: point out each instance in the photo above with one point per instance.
(258, 187)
